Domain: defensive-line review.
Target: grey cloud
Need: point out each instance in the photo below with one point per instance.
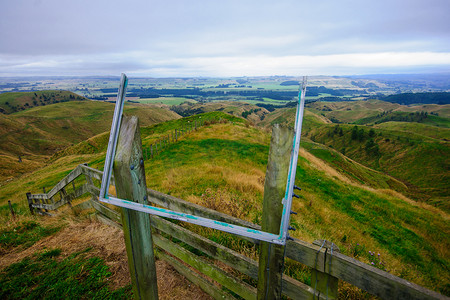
(65, 35)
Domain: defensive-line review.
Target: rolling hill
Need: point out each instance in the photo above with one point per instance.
(18, 101)
(414, 152)
(37, 133)
(222, 166)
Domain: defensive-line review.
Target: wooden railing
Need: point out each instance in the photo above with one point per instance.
(320, 259)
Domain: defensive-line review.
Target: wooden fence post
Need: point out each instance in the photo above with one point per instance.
(11, 209)
(129, 174)
(271, 255)
(30, 202)
(323, 282)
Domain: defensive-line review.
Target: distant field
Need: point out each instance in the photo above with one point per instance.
(165, 100)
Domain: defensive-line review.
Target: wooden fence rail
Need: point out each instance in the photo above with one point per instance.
(169, 237)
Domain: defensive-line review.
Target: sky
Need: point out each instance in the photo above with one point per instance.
(209, 38)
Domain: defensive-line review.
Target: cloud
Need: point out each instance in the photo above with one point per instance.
(215, 37)
(140, 64)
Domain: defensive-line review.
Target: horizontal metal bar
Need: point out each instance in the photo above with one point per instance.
(222, 226)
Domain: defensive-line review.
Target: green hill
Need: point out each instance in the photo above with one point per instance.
(222, 166)
(406, 152)
(354, 111)
(37, 133)
(19, 101)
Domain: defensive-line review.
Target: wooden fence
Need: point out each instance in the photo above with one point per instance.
(173, 241)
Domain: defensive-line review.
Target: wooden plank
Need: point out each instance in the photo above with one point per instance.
(94, 173)
(39, 196)
(237, 286)
(65, 181)
(107, 221)
(183, 206)
(217, 251)
(83, 206)
(192, 276)
(306, 253)
(42, 206)
(106, 211)
(297, 290)
(129, 173)
(376, 281)
(368, 278)
(271, 256)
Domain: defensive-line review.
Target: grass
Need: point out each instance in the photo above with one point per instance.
(25, 234)
(400, 231)
(400, 152)
(200, 168)
(46, 275)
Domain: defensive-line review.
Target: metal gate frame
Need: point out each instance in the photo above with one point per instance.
(211, 223)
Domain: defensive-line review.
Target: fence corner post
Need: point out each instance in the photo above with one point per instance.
(271, 255)
(129, 174)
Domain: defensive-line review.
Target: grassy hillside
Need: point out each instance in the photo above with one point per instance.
(247, 111)
(353, 111)
(207, 168)
(19, 101)
(39, 132)
(411, 153)
(222, 166)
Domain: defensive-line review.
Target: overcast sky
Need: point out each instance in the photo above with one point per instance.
(223, 38)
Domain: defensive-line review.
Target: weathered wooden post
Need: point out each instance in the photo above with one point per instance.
(176, 136)
(11, 209)
(151, 151)
(30, 203)
(323, 282)
(129, 174)
(271, 255)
